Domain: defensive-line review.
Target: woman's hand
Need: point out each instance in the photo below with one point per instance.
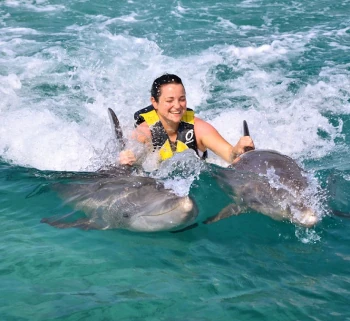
(127, 157)
(244, 144)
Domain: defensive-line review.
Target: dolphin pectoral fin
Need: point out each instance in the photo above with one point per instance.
(341, 213)
(228, 211)
(82, 223)
(43, 188)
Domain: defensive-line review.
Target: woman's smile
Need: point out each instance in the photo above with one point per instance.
(172, 103)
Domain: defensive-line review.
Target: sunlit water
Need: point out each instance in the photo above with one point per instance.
(284, 67)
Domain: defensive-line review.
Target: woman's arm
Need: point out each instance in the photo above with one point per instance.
(208, 137)
(141, 134)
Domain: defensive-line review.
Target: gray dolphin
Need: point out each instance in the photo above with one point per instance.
(267, 182)
(114, 198)
(123, 201)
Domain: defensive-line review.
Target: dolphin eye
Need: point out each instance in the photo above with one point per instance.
(126, 215)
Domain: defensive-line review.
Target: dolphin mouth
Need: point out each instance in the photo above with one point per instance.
(309, 221)
(306, 218)
(186, 205)
(161, 213)
(180, 214)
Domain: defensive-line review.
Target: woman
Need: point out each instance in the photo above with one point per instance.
(171, 127)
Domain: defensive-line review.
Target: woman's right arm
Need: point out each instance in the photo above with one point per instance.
(141, 134)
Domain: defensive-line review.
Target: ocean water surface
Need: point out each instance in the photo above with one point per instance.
(282, 66)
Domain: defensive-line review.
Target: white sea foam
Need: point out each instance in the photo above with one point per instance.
(180, 8)
(226, 24)
(132, 17)
(307, 236)
(8, 86)
(18, 31)
(42, 140)
(37, 5)
(60, 96)
(249, 4)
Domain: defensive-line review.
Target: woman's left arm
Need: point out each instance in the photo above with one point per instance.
(208, 137)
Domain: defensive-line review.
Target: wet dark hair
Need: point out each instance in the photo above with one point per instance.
(163, 80)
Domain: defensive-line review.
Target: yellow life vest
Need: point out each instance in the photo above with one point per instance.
(185, 137)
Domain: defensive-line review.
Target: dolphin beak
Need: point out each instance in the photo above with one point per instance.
(183, 211)
(308, 218)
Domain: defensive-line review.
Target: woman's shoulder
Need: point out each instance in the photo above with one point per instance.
(201, 126)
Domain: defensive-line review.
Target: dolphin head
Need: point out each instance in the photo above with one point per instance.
(161, 215)
(304, 216)
(127, 202)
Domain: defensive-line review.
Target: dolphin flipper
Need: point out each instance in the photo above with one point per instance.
(232, 209)
(82, 223)
(341, 213)
(43, 188)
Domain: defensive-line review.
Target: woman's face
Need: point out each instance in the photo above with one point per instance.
(171, 104)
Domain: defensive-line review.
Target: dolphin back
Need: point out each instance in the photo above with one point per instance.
(262, 161)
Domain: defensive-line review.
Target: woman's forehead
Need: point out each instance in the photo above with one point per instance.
(173, 90)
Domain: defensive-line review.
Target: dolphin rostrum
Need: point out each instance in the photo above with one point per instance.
(267, 182)
(129, 202)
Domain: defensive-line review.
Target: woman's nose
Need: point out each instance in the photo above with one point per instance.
(177, 104)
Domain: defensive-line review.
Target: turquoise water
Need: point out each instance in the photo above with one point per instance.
(282, 66)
